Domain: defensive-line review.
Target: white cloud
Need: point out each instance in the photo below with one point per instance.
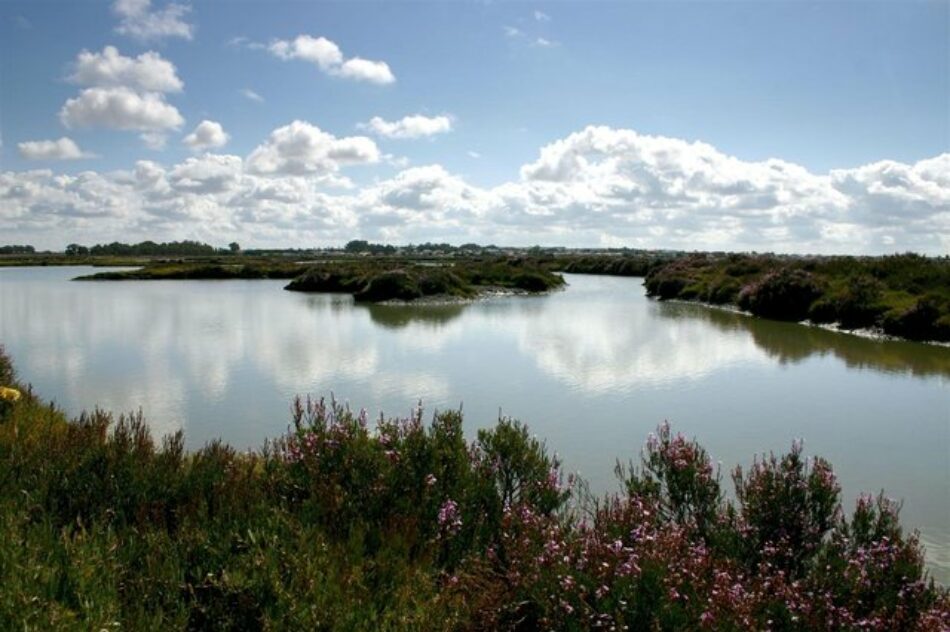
(211, 173)
(366, 70)
(253, 96)
(155, 141)
(545, 43)
(148, 72)
(414, 126)
(62, 149)
(120, 108)
(652, 190)
(301, 148)
(328, 57)
(124, 93)
(598, 185)
(316, 50)
(137, 19)
(512, 31)
(541, 16)
(473, 154)
(208, 135)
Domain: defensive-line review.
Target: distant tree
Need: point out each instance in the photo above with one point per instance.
(76, 249)
(17, 250)
(361, 245)
(357, 245)
(234, 247)
(150, 248)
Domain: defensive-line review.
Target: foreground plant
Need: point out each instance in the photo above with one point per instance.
(402, 524)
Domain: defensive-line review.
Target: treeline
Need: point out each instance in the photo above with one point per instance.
(359, 246)
(146, 248)
(904, 295)
(636, 264)
(344, 524)
(17, 250)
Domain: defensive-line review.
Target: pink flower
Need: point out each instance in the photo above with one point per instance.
(450, 519)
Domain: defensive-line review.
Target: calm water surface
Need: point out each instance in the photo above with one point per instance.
(592, 369)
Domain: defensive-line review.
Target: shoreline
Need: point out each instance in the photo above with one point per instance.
(875, 334)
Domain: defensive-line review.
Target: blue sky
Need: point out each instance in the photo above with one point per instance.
(563, 123)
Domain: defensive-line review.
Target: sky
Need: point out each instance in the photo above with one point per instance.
(784, 126)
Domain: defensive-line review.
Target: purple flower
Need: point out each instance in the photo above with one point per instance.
(450, 519)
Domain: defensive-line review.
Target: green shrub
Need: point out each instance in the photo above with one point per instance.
(783, 295)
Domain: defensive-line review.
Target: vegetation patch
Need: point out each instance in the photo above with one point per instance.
(378, 281)
(229, 269)
(901, 295)
(401, 524)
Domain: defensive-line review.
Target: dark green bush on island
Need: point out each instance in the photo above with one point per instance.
(372, 280)
(405, 281)
(406, 525)
(901, 295)
(783, 295)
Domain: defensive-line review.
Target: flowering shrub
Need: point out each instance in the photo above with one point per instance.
(678, 475)
(672, 554)
(401, 524)
(787, 506)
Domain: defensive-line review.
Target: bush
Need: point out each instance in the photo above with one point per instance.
(395, 284)
(786, 507)
(678, 477)
(920, 322)
(860, 304)
(783, 295)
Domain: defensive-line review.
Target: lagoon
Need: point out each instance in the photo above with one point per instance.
(591, 369)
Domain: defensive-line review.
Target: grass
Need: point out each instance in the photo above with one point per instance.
(349, 524)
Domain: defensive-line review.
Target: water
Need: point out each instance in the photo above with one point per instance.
(592, 369)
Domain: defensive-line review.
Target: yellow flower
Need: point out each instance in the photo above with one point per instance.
(9, 394)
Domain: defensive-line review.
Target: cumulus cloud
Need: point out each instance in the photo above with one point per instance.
(124, 93)
(149, 72)
(137, 19)
(208, 135)
(598, 185)
(414, 126)
(120, 108)
(328, 57)
(541, 16)
(62, 149)
(366, 70)
(301, 148)
(210, 173)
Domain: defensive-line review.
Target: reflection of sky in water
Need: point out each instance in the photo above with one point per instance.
(592, 369)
